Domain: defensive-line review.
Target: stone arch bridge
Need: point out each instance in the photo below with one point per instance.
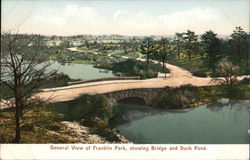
(147, 94)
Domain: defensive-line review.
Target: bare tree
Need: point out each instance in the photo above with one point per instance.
(22, 70)
(227, 72)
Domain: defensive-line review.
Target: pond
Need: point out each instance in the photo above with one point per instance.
(222, 122)
(81, 71)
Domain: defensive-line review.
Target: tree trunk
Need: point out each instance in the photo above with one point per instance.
(147, 58)
(179, 53)
(20, 95)
(238, 49)
(247, 58)
(189, 52)
(17, 117)
(247, 52)
(212, 61)
(179, 50)
(189, 55)
(147, 61)
(163, 67)
(18, 108)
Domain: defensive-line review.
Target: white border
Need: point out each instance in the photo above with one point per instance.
(88, 151)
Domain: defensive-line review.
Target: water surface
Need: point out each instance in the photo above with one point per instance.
(222, 122)
(81, 71)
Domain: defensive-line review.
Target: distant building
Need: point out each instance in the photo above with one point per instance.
(53, 38)
(74, 38)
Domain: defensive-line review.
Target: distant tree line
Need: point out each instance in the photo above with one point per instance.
(182, 46)
(209, 45)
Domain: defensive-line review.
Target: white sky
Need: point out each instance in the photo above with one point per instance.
(127, 17)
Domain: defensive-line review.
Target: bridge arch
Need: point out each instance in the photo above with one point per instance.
(147, 94)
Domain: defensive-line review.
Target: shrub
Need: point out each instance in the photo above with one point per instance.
(92, 108)
(99, 124)
(200, 74)
(177, 97)
(96, 111)
(57, 80)
(131, 67)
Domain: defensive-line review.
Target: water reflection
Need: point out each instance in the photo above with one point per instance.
(135, 109)
(224, 102)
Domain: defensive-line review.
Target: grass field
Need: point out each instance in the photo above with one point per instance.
(197, 65)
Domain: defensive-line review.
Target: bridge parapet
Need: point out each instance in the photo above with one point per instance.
(104, 79)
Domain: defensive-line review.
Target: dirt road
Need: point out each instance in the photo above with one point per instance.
(177, 77)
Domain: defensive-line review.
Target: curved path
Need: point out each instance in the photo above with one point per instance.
(177, 77)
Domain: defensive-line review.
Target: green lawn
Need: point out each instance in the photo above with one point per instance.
(197, 65)
(87, 49)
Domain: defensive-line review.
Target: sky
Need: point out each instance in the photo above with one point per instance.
(125, 17)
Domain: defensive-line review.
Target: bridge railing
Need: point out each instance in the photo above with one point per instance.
(104, 79)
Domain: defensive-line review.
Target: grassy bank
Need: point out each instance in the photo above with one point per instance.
(37, 126)
(189, 96)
